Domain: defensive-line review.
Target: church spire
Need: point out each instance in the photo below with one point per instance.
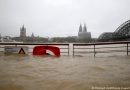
(84, 28)
(80, 28)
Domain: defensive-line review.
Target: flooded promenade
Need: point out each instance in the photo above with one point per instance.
(78, 72)
(64, 73)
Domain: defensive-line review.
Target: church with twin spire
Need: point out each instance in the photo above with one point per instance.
(83, 34)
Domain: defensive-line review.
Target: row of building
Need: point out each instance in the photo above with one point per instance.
(82, 36)
(121, 33)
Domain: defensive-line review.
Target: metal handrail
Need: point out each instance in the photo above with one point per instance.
(94, 48)
(33, 43)
(100, 43)
(58, 44)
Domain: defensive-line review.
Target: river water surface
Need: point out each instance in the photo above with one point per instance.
(64, 73)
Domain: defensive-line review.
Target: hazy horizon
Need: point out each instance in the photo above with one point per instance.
(57, 18)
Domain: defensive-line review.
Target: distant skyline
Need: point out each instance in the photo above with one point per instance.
(57, 18)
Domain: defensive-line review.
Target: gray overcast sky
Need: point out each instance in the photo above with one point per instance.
(62, 17)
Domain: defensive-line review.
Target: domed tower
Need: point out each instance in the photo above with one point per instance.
(23, 31)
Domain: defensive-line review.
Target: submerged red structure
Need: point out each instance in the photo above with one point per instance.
(42, 50)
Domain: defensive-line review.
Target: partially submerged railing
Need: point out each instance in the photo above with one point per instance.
(97, 47)
(78, 48)
(63, 47)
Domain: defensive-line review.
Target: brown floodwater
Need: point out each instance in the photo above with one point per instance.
(64, 73)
